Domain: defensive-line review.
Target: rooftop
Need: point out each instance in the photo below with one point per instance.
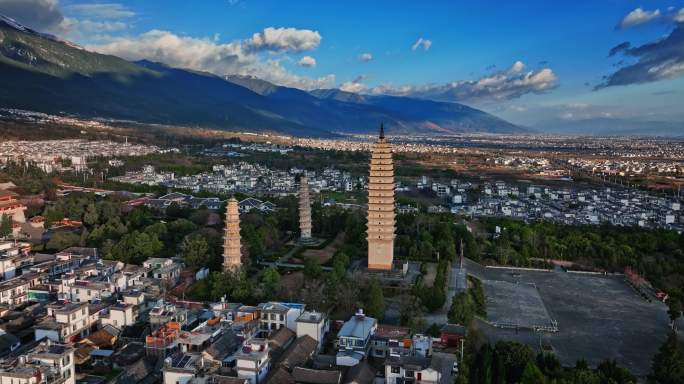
(358, 326)
(310, 317)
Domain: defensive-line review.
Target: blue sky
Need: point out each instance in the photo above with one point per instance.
(446, 50)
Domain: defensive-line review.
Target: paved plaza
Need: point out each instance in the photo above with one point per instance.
(598, 317)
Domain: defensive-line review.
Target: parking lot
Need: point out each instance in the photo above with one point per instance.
(598, 317)
(515, 305)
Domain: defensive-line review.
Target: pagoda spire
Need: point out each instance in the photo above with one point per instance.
(232, 249)
(304, 210)
(381, 216)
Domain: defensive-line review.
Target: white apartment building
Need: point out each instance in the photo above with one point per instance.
(253, 361)
(277, 315)
(44, 364)
(13, 255)
(314, 324)
(66, 323)
(415, 369)
(119, 315)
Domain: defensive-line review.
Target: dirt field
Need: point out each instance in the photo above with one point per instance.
(291, 283)
(322, 256)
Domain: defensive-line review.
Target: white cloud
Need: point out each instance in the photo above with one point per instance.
(422, 43)
(307, 61)
(517, 67)
(355, 86)
(205, 54)
(177, 51)
(679, 16)
(100, 10)
(285, 39)
(273, 71)
(96, 26)
(41, 15)
(509, 84)
(82, 21)
(366, 57)
(637, 17)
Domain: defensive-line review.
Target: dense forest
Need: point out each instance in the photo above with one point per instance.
(512, 362)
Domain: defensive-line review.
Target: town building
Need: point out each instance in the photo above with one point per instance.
(278, 315)
(65, 323)
(253, 361)
(353, 339)
(119, 315)
(313, 324)
(452, 334)
(13, 257)
(437, 369)
(10, 206)
(46, 363)
(164, 269)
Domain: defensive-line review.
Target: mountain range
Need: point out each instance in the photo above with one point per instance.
(42, 73)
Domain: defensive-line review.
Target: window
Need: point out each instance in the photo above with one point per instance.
(396, 369)
(409, 373)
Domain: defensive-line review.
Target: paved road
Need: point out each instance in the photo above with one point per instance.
(289, 265)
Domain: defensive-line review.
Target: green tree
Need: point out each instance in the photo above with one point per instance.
(312, 269)
(177, 212)
(271, 283)
(532, 375)
(61, 240)
(90, 216)
(5, 225)
(244, 289)
(200, 216)
(515, 357)
(462, 309)
(195, 251)
(134, 247)
(668, 363)
(108, 210)
(139, 217)
(674, 308)
(610, 372)
(583, 376)
(482, 372)
(83, 237)
(222, 284)
(374, 300)
(53, 213)
(235, 285)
